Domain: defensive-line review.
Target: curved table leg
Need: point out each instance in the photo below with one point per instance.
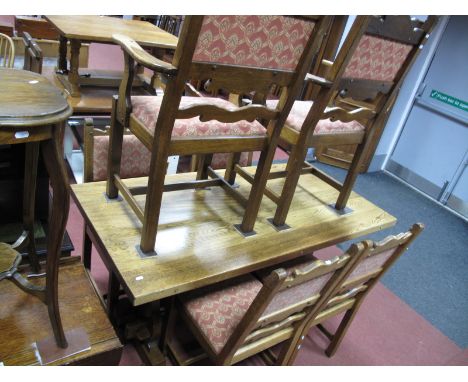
(53, 158)
(29, 198)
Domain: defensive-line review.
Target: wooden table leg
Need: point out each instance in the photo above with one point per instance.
(53, 159)
(62, 59)
(29, 196)
(73, 75)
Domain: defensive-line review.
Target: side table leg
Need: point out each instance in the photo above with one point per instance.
(52, 153)
(29, 196)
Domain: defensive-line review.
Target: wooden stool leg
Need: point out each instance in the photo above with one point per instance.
(29, 198)
(230, 174)
(115, 152)
(87, 249)
(53, 158)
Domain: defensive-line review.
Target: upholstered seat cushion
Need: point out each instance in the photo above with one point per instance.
(146, 110)
(135, 158)
(299, 113)
(216, 310)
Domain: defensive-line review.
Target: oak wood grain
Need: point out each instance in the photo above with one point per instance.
(101, 28)
(24, 320)
(29, 99)
(198, 244)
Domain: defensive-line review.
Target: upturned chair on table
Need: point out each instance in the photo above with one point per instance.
(352, 97)
(238, 318)
(176, 125)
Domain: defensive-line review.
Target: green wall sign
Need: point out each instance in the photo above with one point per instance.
(449, 100)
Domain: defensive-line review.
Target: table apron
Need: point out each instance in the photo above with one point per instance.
(15, 135)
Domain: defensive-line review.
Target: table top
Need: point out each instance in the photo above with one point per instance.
(197, 244)
(93, 28)
(24, 320)
(29, 99)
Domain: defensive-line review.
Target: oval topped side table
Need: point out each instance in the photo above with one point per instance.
(33, 111)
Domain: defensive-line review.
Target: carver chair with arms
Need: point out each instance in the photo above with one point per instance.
(176, 125)
(238, 318)
(366, 76)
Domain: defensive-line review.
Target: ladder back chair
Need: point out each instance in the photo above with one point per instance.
(7, 51)
(241, 317)
(361, 85)
(348, 294)
(238, 53)
(237, 318)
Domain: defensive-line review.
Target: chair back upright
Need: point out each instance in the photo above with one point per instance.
(33, 58)
(7, 51)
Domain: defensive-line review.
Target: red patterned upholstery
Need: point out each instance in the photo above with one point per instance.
(275, 42)
(135, 158)
(371, 264)
(217, 309)
(377, 58)
(299, 113)
(146, 110)
(220, 160)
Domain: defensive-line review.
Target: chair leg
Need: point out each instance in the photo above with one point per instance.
(204, 161)
(52, 154)
(154, 196)
(29, 196)
(294, 167)
(341, 331)
(352, 174)
(290, 348)
(258, 188)
(87, 249)
(230, 173)
(115, 152)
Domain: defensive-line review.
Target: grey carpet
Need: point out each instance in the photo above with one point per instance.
(432, 277)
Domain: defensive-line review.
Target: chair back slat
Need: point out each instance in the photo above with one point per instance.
(7, 51)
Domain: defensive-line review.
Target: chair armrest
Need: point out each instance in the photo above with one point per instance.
(132, 48)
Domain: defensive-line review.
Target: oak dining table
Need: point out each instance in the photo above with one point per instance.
(197, 243)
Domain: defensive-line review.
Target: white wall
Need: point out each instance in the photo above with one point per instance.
(405, 99)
